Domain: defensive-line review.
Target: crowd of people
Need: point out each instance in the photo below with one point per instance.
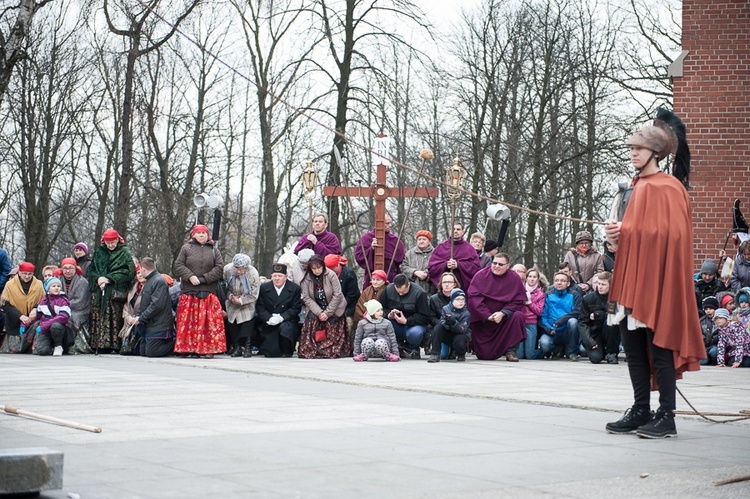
(456, 298)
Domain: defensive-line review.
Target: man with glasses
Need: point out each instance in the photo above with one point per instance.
(496, 299)
(584, 261)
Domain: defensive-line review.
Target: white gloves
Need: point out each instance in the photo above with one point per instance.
(275, 320)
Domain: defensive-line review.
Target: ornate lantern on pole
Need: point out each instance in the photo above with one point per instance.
(310, 180)
(454, 177)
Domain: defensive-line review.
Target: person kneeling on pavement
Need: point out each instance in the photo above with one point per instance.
(53, 333)
(154, 317)
(375, 336)
(597, 337)
(406, 306)
(453, 328)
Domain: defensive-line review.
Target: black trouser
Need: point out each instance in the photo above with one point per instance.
(276, 341)
(442, 334)
(240, 333)
(638, 344)
(608, 339)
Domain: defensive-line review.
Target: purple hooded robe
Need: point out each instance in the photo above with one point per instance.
(364, 252)
(327, 244)
(465, 255)
(487, 294)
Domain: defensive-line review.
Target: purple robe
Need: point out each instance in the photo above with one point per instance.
(487, 294)
(364, 252)
(466, 257)
(327, 244)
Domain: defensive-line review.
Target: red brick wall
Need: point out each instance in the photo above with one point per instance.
(713, 99)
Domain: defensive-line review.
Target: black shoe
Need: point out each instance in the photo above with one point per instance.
(414, 355)
(433, 358)
(232, 350)
(461, 358)
(612, 358)
(632, 420)
(237, 351)
(662, 426)
(248, 352)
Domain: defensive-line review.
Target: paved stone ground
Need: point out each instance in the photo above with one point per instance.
(335, 428)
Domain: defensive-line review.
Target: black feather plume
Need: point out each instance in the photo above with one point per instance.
(681, 159)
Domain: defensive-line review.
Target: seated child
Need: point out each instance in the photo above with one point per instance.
(734, 341)
(599, 340)
(453, 328)
(710, 334)
(375, 336)
(54, 314)
(742, 312)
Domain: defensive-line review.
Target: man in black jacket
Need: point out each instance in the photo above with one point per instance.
(154, 317)
(277, 314)
(405, 305)
(597, 337)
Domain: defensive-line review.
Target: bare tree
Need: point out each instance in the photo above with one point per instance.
(12, 42)
(141, 27)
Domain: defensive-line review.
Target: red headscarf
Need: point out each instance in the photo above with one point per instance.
(200, 228)
(332, 261)
(112, 235)
(380, 274)
(26, 267)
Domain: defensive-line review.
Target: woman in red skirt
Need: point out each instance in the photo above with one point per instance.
(200, 325)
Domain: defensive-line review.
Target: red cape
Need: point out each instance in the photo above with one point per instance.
(653, 268)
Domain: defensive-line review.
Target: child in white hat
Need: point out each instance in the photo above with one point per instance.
(734, 341)
(375, 336)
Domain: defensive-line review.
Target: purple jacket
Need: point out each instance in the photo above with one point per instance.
(53, 309)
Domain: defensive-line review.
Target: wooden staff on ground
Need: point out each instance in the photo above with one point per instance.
(49, 419)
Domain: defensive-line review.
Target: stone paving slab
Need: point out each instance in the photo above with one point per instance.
(335, 428)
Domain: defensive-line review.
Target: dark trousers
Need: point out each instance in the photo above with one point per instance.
(240, 333)
(458, 342)
(608, 339)
(276, 341)
(57, 336)
(638, 345)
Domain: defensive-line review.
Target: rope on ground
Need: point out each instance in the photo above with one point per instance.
(740, 416)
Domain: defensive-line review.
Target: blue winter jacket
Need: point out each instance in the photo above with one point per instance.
(559, 306)
(5, 268)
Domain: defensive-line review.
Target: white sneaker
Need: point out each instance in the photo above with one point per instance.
(58, 351)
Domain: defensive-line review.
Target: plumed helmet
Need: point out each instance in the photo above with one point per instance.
(653, 138)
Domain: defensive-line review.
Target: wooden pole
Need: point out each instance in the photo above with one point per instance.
(49, 419)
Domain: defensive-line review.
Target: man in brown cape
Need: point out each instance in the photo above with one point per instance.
(652, 283)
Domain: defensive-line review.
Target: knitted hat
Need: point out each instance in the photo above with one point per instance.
(241, 260)
(742, 297)
(490, 245)
(457, 293)
(723, 313)
(711, 302)
(82, 246)
(726, 299)
(53, 280)
(26, 267)
(425, 233)
(380, 274)
(332, 261)
(709, 267)
(372, 306)
(584, 235)
(304, 255)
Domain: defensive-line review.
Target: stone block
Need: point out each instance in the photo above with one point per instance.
(30, 469)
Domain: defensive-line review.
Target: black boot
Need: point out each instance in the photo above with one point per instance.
(248, 350)
(634, 418)
(237, 351)
(662, 426)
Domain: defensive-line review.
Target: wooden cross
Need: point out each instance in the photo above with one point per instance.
(380, 191)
